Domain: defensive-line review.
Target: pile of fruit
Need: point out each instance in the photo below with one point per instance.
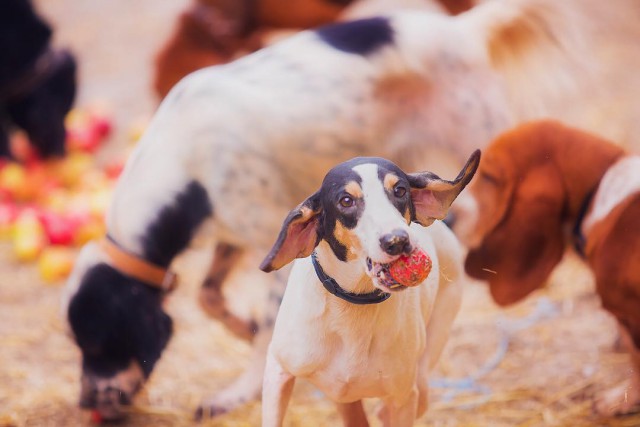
(50, 207)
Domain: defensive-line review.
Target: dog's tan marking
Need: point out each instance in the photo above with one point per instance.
(354, 189)
(407, 215)
(390, 180)
(348, 239)
(516, 37)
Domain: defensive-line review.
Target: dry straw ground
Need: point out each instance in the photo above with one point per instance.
(537, 364)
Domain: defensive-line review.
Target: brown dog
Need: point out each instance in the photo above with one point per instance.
(535, 182)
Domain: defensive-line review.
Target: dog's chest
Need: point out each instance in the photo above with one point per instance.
(351, 352)
(380, 365)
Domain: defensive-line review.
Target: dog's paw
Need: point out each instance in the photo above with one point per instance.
(205, 411)
(217, 406)
(621, 400)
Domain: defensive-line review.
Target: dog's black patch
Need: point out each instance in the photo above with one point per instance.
(41, 111)
(362, 37)
(401, 202)
(37, 84)
(333, 189)
(176, 224)
(115, 320)
(23, 36)
(340, 2)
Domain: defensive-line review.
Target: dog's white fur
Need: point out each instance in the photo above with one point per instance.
(621, 181)
(352, 352)
(260, 133)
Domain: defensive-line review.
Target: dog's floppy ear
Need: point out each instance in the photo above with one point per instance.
(432, 195)
(517, 256)
(298, 237)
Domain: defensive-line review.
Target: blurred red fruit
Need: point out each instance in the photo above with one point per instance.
(114, 169)
(58, 229)
(101, 126)
(96, 417)
(22, 149)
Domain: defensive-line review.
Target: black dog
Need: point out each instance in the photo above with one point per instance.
(37, 83)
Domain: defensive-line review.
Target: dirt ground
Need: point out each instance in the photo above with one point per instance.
(537, 364)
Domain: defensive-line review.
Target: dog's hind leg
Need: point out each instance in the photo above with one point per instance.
(240, 267)
(245, 388)
(400, 415)
(353, 414)
(276, 392)
(226, 257)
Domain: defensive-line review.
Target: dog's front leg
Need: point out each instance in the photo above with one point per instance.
(353, 414)
(625, 398)
(276, 392)
(394, 414)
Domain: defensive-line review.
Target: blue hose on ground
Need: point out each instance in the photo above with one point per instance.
(545, 309)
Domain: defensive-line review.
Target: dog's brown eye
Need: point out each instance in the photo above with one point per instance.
(399, 191)
(346, 201)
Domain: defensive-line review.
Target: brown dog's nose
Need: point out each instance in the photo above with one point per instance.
(396, 242)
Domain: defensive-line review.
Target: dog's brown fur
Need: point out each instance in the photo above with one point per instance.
(531, 186)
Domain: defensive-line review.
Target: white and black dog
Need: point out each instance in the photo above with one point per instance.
(229, 152)
(361, 337)
(233, 148)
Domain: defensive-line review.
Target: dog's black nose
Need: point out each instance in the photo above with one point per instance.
(395, 242)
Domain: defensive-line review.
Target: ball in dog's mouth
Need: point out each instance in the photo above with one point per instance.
(407, 270)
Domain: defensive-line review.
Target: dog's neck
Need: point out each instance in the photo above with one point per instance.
(582, 172)
(350, 274)
(582, 177)
(619, 182)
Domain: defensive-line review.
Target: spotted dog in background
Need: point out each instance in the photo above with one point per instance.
(212, 32)
(233, 148)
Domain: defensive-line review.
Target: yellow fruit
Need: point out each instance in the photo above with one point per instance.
(14, 181)
(91, 230)
(55, 263)
(28, 237)
(72, 169)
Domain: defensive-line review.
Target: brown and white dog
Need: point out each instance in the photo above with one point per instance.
(364, 336)
(213, 32)
(535, 183)
(233, 148)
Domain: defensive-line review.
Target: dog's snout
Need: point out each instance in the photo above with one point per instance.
(396, 242)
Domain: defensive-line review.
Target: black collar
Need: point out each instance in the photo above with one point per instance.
(332, 286)
(579, 239)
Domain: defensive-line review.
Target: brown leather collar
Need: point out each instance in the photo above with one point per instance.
(138, 268)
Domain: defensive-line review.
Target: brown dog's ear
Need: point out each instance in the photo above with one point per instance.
(432, 196)
(298, 236)
(517, 256)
